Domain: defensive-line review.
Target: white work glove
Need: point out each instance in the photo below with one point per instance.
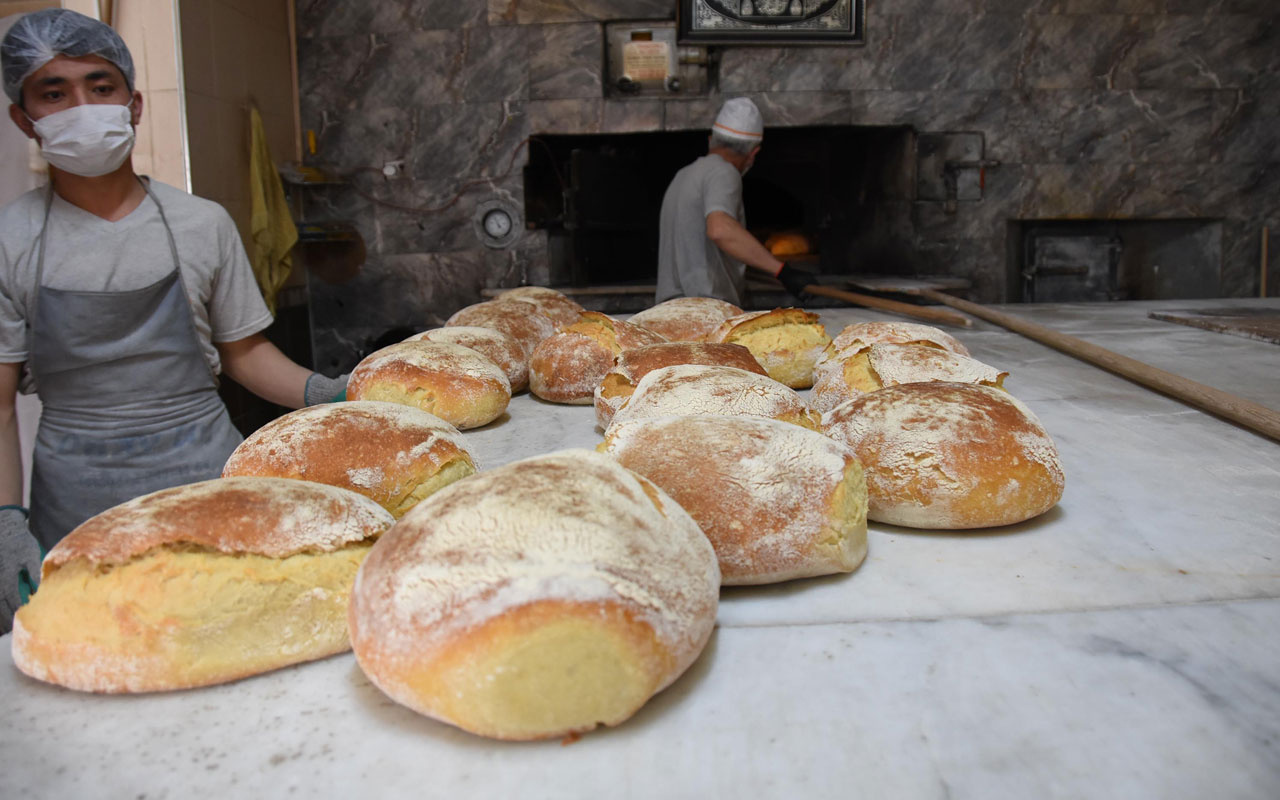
(320, 389)
(18, 551)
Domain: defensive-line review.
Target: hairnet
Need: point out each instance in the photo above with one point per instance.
(36, 38)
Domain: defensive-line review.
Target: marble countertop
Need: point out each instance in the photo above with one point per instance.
(1126, 644)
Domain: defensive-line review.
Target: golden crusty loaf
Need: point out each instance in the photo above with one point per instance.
(949, 455)
(880, 365)
(777, 501)
(632, 365)
(450, 381)
(567, 367)
(539, 599)
(562, 310)
(860, 335)
(391, 453)
(686, 319)
(687, 390)
(786, 342)
(491, 343)
(197, 585)
(520, 320)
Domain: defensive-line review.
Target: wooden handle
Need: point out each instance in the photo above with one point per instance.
(919, 312)
(1251, 415)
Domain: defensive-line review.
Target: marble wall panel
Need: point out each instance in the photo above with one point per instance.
(1217, 52)
(695, 114)
(1247, 126)
(800, 108)
(495, 64)
(1076, 51)
(341, 17)
(952, 52)
(798, 69)
(1138, 126)
(526, 12)
(566, 61)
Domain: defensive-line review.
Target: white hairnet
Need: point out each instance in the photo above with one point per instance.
(740, 119)
(36, 38)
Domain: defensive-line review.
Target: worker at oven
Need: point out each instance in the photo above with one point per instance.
(703, 247)
(121, 300)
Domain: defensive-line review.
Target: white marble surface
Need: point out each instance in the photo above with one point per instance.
(1125, 645)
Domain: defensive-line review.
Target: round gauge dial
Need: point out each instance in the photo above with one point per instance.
(497, 223)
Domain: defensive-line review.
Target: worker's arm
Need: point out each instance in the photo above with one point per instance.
(259, 366)
(728, 234)
(10, 455)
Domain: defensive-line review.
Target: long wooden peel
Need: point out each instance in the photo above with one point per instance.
(1251, 415)
(919, 312)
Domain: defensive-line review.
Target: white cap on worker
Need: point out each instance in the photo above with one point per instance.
(740, 119)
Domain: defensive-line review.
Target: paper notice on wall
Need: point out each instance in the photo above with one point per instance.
(646, 61)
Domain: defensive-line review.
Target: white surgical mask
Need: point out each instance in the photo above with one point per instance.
(87, 140)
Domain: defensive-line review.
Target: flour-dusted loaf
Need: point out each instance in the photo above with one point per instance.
(632, 365)
(949, 455)
(520, 320)
(567, 367)
(391, 453)
(491, 343)
(535, 600)
(450, 381)
(860, 335)
(687, 390)
(686, 319)
(777, 501)
(786, 342)
(197, 585)
(562, 310)
(879, 365)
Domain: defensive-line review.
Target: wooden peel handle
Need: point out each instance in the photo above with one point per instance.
(1251, 415)
(919, 312)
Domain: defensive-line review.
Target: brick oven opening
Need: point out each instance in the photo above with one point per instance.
(847, 189)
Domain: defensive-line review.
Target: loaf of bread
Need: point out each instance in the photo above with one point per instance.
(393, 454)
(777, 501)
(518, 319)
(949, 455)
(786, 342)
(491, 343)
(197, 585)
(686, 319)
(861, 335)
(453, 382)
(687, 390)
(632, 365)
(567, 367)
(535, 600)
(788, 243)
(879, 365)
(561, 309)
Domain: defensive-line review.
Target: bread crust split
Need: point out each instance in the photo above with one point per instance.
(450, 381)
(535, 600)
(493, 344)
(519, 319)
(786, 342)
(686, 319)
(879, 365)
(198, 585)
(560, 308)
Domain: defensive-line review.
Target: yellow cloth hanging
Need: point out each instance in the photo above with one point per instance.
(271, 221)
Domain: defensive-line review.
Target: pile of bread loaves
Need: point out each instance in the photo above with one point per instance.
(560, 592)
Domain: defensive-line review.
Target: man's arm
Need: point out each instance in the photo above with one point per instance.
(10, 454)
(728, 234)
(259, 366)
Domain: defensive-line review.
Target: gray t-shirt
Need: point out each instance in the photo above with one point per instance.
(89, 254)
(689, 264)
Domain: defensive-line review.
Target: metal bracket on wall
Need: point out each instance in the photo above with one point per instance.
(951, 167)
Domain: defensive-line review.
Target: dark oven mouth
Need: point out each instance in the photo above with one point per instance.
(843, 190)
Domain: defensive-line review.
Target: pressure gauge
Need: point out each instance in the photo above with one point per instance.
(497, 223)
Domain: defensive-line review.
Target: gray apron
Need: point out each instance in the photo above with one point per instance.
(130, 402)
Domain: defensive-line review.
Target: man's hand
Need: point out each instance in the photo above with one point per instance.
(794, 280)
(19, 552)
(325, 390)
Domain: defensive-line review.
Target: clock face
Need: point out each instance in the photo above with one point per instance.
(497, 223)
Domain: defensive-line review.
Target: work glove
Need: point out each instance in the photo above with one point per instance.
(320, 389)
(19, 561)
(794, 280)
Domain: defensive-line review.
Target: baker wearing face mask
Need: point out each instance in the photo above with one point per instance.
(703, 247)
(122, 297)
